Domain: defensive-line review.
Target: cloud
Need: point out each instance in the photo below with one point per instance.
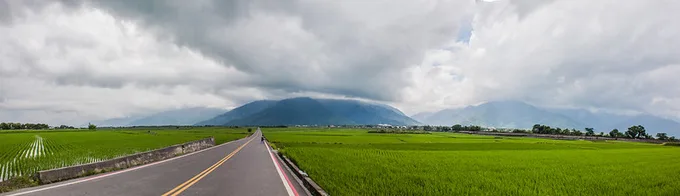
(81, 60)
(347, 48)
(87, 64)
(81, 55)
(615, 55)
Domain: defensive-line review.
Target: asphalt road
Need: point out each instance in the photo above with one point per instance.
(242, 167)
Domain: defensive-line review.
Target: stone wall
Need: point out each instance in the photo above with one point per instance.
(55, 175)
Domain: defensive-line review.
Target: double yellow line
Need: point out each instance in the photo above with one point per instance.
(179, 189)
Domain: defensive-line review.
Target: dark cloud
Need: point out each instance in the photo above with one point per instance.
(305, 45)
(94, 59)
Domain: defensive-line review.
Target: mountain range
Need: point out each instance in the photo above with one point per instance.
(185, 116)
(309, 111)
(515, 114)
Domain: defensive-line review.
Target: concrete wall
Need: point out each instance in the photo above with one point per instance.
(55, 175)
(309, 184)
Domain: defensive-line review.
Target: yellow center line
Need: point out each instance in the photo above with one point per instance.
(179, 189)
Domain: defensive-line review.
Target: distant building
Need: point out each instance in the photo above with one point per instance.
(384, 125)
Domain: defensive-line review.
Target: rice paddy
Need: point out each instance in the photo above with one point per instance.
(23, 153)
(355, 162)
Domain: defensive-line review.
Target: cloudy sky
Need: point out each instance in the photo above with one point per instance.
(80, 60)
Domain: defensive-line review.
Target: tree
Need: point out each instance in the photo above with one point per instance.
(537, 128)
(4, 126)
(250, 130)
(92, 127)
(636, 131)
(565, 132)
(661, 136)
(672, 138)
(601, 134)
(446, 129)
(457, 128)
(590, 132)
(475, 128)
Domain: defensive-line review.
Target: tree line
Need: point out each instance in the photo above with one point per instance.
(20, 126)
(633, 132)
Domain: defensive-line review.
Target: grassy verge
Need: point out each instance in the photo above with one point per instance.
(17, 183)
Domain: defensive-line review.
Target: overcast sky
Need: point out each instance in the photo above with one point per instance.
(68, 62)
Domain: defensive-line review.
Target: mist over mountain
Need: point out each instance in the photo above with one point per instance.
(309, 111)
(600, 121)
(240, 112)
(514, 114)
(652, 124)
(185, 116)
(364, 113)
(114, 122)
(508, 114)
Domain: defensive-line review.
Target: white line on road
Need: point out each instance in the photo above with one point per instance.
(118, 172)
(284, 179)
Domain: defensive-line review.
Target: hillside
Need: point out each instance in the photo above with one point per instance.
(363, 113)
(296, 111)
(240, 112)
(651, 123)
(186, 116)
(512, 114)
(114, 122)
(506, 114)
(308, 111)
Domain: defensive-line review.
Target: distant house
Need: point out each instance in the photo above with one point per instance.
(384, 125)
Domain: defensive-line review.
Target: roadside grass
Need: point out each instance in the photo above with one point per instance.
(17, 183)
(354, 162)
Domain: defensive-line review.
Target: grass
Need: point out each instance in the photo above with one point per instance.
(354, 162)
(22, 153)
(17, 183)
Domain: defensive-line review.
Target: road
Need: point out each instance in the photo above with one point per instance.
(242, 167)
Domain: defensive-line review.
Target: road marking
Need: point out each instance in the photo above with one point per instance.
(180, 188)
(286, 182)
(118, 172)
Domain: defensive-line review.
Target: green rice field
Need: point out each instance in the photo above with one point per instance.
(354, 162)
(26, 152)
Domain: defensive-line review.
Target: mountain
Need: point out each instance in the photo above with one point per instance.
(513, 114)
(652, 124)
(422, 115)
(600, 121)
(506, 114)
(295, 111)
(363, 113)
(114, 122)
(240, 112)
(605, 122)
(186, 116)
(308, 111)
